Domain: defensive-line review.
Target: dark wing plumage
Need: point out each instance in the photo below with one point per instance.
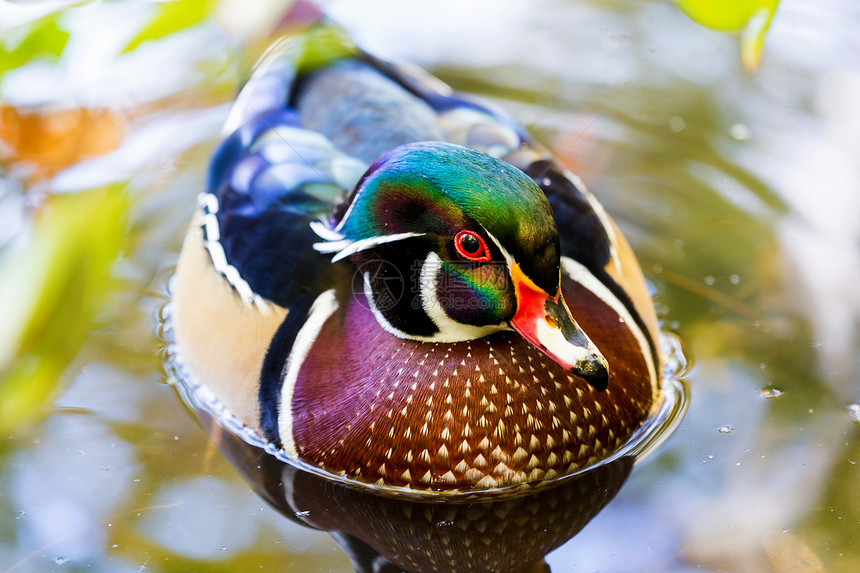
(268, 190)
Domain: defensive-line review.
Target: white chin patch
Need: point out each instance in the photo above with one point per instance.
(449, 329)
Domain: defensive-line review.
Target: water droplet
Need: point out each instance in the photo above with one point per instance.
(854, 412)
(740, 132)
(771, 392)
(59, 561)
(657, 268)
(727, 429)
(20, 514)
(677, 123)
(709, 280)
(734, 279)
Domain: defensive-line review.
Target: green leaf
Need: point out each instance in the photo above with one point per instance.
(750, 18)
(52, 288)
(170, 17)
(725, 15)
(44, 39)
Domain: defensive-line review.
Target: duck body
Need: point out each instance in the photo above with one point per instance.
(392, 283)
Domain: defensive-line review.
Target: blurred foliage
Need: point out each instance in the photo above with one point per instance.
(323, 45)
(53, 286)
(171, 17)
(48, 141)
(750, 18)
(44, 39)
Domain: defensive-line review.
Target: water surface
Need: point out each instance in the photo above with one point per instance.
(737, 191)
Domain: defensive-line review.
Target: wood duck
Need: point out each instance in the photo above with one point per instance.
(392, 283)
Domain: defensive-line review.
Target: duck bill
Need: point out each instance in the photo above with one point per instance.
(545, 321)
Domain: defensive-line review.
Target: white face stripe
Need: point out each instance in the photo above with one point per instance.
(358, 246)
(349, 209)
(579, 274)
(334, 242)
(509, 258)
(323, 307)
(326, 233)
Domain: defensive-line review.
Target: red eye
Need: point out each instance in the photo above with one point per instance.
(471, 246)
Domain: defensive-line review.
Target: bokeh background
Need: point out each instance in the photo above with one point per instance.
(738, 185)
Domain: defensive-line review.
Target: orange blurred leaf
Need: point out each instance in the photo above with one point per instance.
(53, 140)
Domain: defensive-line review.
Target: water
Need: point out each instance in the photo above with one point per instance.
(737, 191)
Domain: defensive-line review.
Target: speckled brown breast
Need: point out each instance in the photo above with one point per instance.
(485, 413)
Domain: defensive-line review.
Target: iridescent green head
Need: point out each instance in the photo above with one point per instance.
(474, 242)
(440, 189)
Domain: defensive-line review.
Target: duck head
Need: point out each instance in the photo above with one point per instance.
(450, 245)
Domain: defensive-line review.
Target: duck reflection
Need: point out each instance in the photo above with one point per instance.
(386, 535)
